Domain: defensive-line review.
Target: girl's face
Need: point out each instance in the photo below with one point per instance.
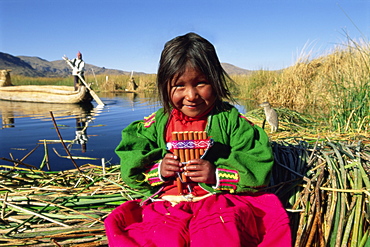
(191, 93)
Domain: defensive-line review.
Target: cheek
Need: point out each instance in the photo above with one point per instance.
(208, 95)
(175, 97)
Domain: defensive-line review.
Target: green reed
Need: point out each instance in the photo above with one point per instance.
(57, 81)
(351, 108)
(350, 102)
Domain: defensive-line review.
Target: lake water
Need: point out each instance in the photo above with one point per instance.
(25, 126)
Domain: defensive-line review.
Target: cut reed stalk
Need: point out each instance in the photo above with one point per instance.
(326, 192)
(333, 195)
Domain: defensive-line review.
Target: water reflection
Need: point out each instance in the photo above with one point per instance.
(11, 110)
(81, 133)
(82, 113)
(134, 98)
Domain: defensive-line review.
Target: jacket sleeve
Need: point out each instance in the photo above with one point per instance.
(140, 155)
(242, 155)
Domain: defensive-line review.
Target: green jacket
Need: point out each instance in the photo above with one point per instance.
(241, 152)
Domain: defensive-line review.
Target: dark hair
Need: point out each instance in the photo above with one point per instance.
(191, 49)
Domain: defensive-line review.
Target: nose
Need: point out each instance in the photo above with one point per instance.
(191, 94)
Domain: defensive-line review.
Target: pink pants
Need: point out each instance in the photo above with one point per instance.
(219, 220)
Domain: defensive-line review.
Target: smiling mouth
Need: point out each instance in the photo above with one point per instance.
(192, 106)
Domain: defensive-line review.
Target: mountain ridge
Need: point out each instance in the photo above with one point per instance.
(33, 66)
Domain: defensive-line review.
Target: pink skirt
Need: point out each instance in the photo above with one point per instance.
(219, 220)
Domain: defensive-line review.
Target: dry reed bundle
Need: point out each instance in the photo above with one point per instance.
(58, 208)
(326, 189)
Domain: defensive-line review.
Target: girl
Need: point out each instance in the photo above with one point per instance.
(207, 201)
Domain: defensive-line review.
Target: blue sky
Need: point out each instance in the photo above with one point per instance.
(130, 34)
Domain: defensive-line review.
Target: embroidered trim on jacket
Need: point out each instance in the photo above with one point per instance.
(152, 175)
(227, 179)
(148, 121)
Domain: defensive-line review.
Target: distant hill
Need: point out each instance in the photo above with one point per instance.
(38, 67)
(233, 70)
(46, 68)
(59, 68)
(17, 65)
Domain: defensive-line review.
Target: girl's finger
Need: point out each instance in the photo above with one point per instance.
(193, 174)
(173, 168)
(194, 168)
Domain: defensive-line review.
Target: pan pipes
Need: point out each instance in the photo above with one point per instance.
(188, 145)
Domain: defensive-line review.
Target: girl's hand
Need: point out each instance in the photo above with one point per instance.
(200, 171)
(170, 166)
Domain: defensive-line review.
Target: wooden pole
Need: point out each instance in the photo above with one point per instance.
(64, 145)
(93, 94)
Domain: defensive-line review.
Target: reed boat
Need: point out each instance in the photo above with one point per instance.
(45, 94)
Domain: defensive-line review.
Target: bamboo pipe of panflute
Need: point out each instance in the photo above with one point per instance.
(176, 152)
(187, 154)
(202, 135)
